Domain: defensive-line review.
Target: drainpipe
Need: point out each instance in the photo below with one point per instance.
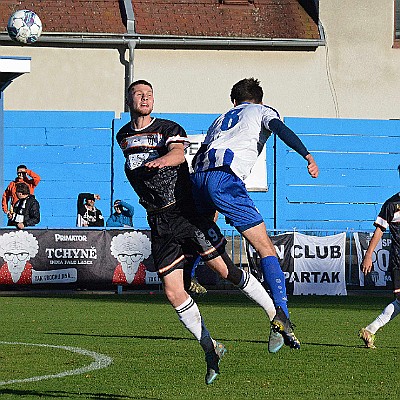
(130, 25)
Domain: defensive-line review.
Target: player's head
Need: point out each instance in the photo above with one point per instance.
(248, 89)
(139, 97)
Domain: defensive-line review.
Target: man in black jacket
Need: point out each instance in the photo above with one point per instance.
(26, 210)
(88, 214)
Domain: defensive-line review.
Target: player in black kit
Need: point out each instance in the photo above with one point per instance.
(157, 170)
(388, 217)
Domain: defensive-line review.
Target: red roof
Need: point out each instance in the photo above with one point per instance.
(285, 19)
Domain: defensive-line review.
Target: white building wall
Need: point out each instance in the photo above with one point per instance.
(356, 75)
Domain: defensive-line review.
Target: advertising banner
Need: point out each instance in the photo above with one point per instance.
(79, 257)
(380, 275)
(311, 264)
(319, 264)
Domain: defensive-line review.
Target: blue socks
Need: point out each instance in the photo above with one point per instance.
(275, 279)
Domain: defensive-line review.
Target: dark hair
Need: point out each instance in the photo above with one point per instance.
(21, 166)
(22, 188)
(248, 89)
(139, 82)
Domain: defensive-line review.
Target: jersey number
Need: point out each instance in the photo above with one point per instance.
(213, 235)
(231, 119)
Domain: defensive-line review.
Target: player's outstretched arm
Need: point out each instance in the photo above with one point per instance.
(312, 166)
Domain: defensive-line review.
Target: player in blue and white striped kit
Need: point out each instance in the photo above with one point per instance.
(225, 159)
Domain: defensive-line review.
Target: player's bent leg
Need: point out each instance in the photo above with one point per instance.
(174, 288)
(272, 272)
(246, 282)
(189, 314)
(257, 236)
(275, 279)
(367, 334)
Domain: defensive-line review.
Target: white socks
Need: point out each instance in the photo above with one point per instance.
(253, 289)
(189, 315)
(390, 311)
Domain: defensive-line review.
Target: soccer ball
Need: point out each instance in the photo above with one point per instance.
(24, 26)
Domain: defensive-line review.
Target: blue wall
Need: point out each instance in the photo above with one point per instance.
(76, 152)
(358, 160)
(71, 151)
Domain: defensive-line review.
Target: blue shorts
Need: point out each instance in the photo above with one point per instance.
(220, 189)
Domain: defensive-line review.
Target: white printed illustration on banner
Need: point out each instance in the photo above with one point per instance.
(130, 249)
(17, 249)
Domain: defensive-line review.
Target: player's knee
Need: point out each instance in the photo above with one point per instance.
(175, 297)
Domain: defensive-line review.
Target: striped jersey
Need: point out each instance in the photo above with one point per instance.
(236, 138)
(156, 188)
(389, 217)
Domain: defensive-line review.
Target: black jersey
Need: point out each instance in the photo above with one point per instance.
(389, 216)
(156, 188)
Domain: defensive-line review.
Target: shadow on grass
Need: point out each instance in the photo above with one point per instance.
(149, 337)
(56, 394)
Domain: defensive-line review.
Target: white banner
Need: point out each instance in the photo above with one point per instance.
(319, 264)
(66, 275)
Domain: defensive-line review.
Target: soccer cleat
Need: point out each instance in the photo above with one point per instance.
(281, 324)
(367, 337)
(275, 341)
(213, 359)
(196, 288)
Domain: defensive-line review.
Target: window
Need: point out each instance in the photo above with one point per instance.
(397, 20)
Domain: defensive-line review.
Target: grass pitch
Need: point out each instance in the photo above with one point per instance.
(155, 358)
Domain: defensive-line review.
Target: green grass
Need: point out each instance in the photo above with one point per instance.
(154, 357)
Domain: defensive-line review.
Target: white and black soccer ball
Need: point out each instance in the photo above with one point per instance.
(24, 26)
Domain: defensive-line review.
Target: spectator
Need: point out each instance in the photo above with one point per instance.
(26, 211)
(88, 214)
(10, 193)
(122, 215)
